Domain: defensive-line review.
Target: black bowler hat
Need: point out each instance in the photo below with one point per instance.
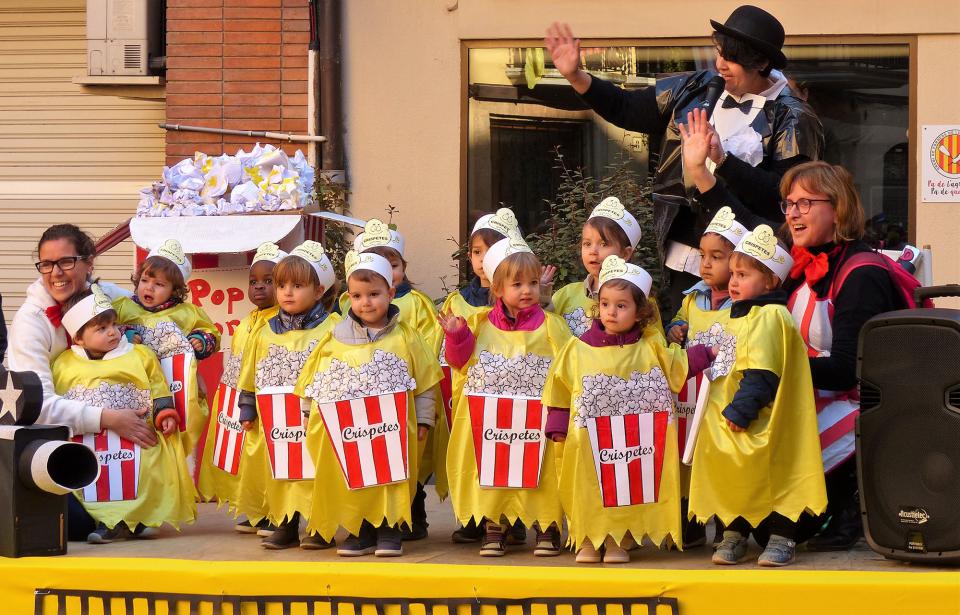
(759, 29)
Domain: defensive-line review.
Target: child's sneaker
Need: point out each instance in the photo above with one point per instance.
(285, 536)
(614, 553)
(471, 532)
(517, 534)
(389, 542)
(731, 550)
(314, 542)
(142, 532)
(245, 527)
(548, 542)
(588, 554)
(492, 545)
(265, 528)
(694, 535)
(780, 551)
(364, 543)
(104, 535)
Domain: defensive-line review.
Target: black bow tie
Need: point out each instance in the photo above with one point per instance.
(745, 106)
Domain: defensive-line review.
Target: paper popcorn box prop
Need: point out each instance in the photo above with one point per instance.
(508, 440)
(446, 395)
(693, 423)
(178, 370)
(228, 435)
(685, 404)
(628, 454)
(285, 432)
(369, 436)
(119, 461)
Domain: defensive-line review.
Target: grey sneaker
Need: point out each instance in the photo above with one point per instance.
(364, 543)
(731, 550)
(389, 542)
(493, 537)
(780, 551)
(104, 535)
(548, 542)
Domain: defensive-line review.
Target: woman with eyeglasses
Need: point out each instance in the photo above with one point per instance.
(37, 337)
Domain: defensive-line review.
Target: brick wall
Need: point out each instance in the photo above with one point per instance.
(238, 64)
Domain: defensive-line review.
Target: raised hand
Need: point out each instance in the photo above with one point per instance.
(450, 322)
(564, 49)
(547, 273)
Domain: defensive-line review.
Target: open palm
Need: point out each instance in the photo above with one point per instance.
(563, 48)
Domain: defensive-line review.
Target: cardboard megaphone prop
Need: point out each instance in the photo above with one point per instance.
(38, 468)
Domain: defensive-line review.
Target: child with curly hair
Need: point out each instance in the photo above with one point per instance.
(372, 383)
(500, 466)
(140, 487)
(619, 476)
(180, 333)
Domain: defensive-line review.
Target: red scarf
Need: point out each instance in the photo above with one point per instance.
(55, 316)
(811, 266)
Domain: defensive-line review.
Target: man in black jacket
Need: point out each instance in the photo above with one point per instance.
(763, 128)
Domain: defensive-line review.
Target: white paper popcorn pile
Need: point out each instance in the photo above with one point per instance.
(725, 345)
(281, 367)
(231, 370)
(121, 396)
(613, 396)
(263, 179)
(578, 321)
(520, 376)
(384, 373)
(166, 339)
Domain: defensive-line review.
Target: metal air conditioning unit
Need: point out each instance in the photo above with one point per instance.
(122, 36)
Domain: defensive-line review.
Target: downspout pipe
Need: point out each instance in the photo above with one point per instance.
(329, 16)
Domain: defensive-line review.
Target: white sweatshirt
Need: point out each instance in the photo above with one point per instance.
(34, 344)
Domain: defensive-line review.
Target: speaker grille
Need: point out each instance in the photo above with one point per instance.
(131, 56)
(953, 398)
(909, 456)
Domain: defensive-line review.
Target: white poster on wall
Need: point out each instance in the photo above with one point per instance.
(940, 164)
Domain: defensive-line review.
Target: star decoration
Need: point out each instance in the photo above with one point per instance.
(9, 396)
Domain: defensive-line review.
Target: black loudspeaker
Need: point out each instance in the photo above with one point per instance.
(37, 469)
(908, 433)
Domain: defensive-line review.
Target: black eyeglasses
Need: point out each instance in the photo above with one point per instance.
(803, 205)
(65, 264)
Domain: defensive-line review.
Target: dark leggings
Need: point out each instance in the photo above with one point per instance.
(774, 524)
(79, 521)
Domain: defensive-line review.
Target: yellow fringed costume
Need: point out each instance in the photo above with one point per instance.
(165, 332)
(339, 374)
(275, 362)
(227, 471)
(161, 489)
(509, 366)
(775, 465)
(620, 465)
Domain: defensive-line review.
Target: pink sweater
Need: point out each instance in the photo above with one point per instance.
(460, 343)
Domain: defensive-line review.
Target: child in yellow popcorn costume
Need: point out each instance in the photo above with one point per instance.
(500, 465)
(757, 463)
(274, 360)
(140, 487)
(180, 333)
(372, 382)
(610, 229)
(701, 319)
(619, 476)
(419, 312)
(232, 469)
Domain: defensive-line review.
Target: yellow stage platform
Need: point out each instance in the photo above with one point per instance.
(208, 569)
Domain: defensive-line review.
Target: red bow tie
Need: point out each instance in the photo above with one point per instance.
(812, 266)
(55, 316)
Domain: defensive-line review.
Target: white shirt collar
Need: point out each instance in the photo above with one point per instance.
(769, 94)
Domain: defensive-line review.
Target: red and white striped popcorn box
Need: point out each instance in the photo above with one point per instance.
(228, 436)
(178, 370)
(285, 433)
(508, 439)
(369, 436)
(696, 419)
(628, 454)
(685, 405)
(119, 461)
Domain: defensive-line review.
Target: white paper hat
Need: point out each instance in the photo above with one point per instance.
(503, 221)
(268, 251)
(173, 252)
(378, 234)
(762, 245)
(499, 251)
(725, 224)
(612, 208)
(313, 253)
(615, 268)
(369, 261)
(86, 310)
